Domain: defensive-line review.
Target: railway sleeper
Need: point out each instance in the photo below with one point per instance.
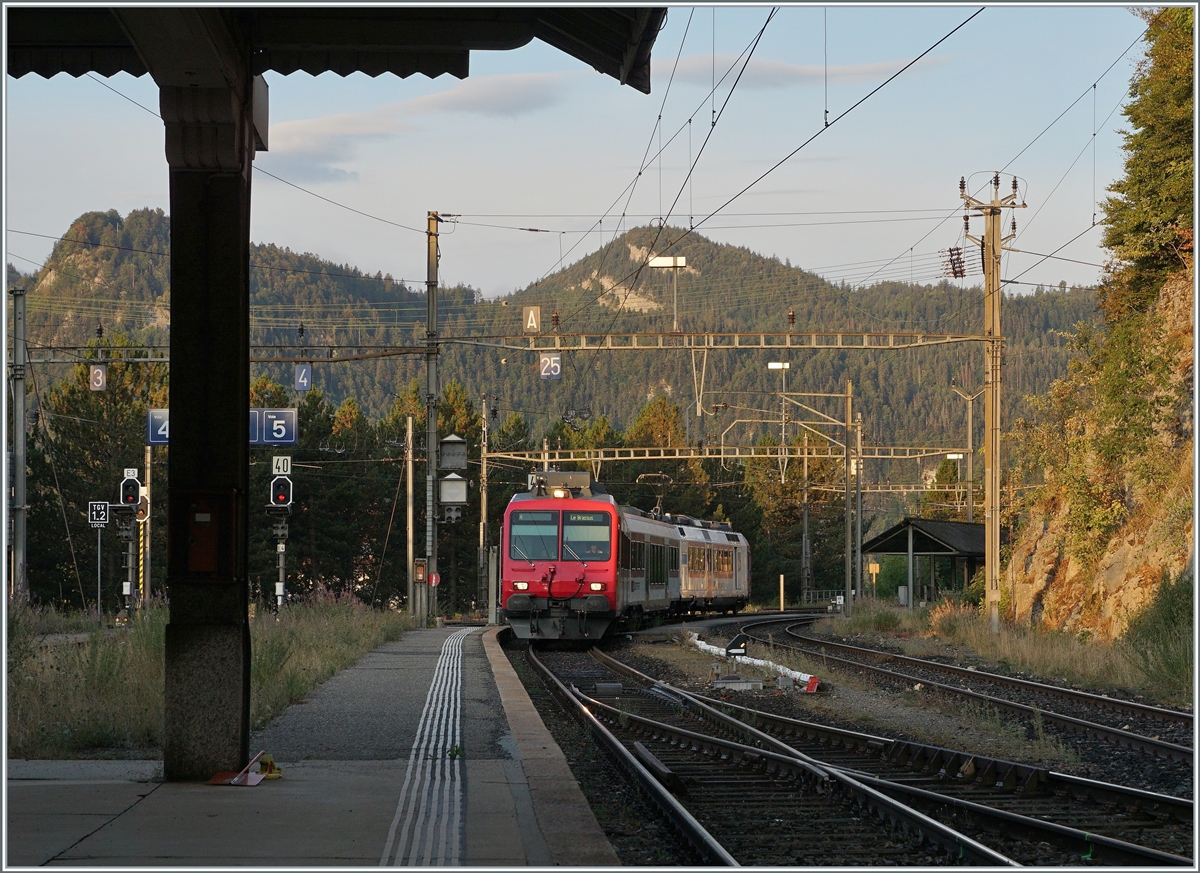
(952, 764)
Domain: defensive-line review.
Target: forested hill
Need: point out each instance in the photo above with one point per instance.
(113, 272)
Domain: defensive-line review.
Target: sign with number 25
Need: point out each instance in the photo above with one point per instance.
(550, 366)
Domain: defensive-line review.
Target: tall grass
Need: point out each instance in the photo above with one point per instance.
(1160, 640)
(103, 693)
(104, 696)
(308, 643)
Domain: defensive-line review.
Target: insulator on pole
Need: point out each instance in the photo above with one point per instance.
(1014, 225)
(1014, 185)
(99, 331)
(996, 182)
(554, 319)
(300, 330)
(962, 184)
(791, 317)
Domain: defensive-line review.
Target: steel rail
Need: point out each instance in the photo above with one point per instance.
(1019, 775)
(1088, 845)
(1099, 848)
(795, 764)
(1128, 706)
(1171, 751)
(691, 830)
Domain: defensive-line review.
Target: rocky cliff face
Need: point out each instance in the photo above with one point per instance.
(1050, 587)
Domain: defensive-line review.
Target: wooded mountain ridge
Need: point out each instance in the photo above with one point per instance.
(112, 272)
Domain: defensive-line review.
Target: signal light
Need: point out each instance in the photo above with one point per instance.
(281, 491)
(131, 492)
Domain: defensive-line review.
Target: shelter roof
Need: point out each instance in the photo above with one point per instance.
(930, 537)
(402, 40)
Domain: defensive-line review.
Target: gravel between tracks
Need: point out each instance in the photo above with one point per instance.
(859, 703)
(632, 824)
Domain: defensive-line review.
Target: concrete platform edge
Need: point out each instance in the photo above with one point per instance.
(568, 824)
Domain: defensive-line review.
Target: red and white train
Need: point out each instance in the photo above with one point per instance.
(574, 562)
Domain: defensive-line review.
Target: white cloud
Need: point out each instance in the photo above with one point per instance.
(311, 148)
(698, 70)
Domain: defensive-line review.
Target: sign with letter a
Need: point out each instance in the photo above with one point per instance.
(531, 319)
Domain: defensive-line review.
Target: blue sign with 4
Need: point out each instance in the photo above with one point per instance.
(268, 427)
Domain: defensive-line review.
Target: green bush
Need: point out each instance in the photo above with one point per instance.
(1159, 639)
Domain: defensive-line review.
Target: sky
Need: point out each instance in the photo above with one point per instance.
(534, 138)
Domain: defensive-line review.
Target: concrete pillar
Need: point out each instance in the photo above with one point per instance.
(210, 146)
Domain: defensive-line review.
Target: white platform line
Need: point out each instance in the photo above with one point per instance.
(431, 796)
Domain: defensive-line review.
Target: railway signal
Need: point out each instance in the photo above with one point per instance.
(281, 491)
(131, 490)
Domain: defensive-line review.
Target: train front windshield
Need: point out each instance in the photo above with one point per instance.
(587, 536)
(533, 536)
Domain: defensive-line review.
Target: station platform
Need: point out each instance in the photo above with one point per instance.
(428, 752)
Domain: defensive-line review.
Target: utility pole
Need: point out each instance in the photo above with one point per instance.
(20, 562)
(782, 367)
(858, 462)
(672, 263)
(849, 544)
(992, 246)
(970, 398)
(146, 535)
(805, 546)
(408, 487)
(483, 495)
(431, 397)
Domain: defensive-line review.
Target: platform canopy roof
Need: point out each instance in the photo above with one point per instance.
(402, 40)
(956, 539)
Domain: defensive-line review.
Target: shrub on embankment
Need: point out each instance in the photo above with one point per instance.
(103, 694)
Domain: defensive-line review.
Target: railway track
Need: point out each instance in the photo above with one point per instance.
(975, 791)
(1163, 733)
(744, 805)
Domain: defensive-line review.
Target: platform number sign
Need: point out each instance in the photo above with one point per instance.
(550, 366)
(98, 513)
(98, 377)
(266, 427)
(158, 427)
(278, 427)
(303, 379)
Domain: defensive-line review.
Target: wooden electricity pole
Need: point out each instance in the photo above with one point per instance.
(431, 403)
(992, 247)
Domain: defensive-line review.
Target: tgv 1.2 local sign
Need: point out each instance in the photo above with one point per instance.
(268, 427)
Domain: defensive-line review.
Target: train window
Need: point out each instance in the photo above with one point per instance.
(533, 536)
(637, 555)
(723, 559)
(587, 536)
(656, 565)
(673, 559)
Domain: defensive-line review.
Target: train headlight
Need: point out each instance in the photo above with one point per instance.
(520, 586)
(597, 586)
(561, 493)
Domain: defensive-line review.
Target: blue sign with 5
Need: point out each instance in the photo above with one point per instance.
(268, 427)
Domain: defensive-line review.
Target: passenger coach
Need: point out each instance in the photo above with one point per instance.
(574, 563)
